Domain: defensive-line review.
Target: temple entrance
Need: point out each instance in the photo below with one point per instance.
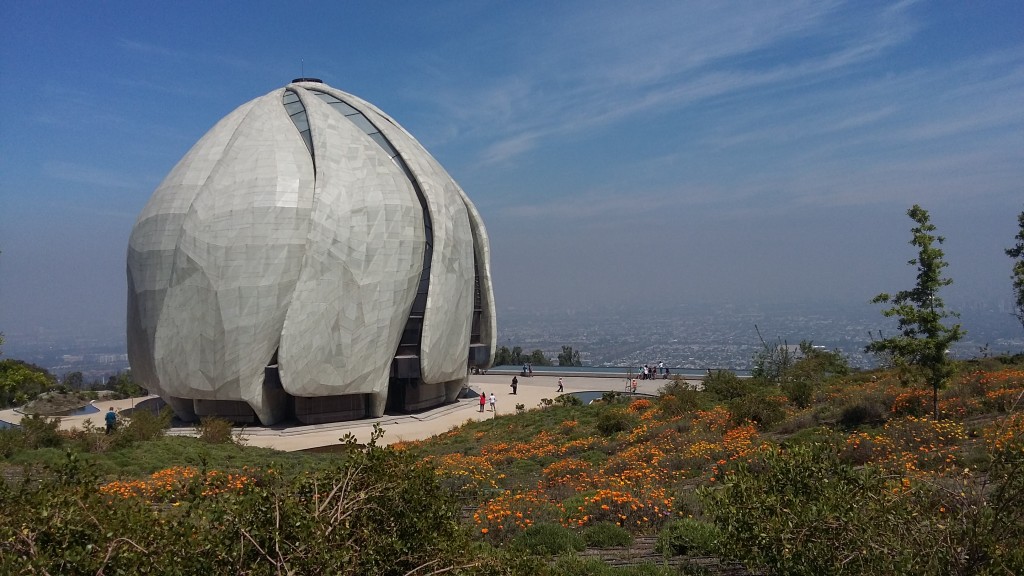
(397, 388)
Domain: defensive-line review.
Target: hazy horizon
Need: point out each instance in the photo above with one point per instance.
(651, 154)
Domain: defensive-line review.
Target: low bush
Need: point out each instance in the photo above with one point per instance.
(614, 421)
(866, 412)
(798, 422)
(912, 402)
(568, 400)
(606, 535)
(762, 410)
(726, 385)
(145, 425)
(687, 537)
(677, 398)
(803, 510)
(548, 539)
(799, 392)
(215, 431)
(373, 511)
(40, 432)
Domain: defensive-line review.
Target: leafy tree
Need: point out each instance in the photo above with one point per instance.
(924, 339)
(505, 357)
(21, 382)
(124, 385)
(569, 357)
(73, 380)
(1017, 253)
(537, 358)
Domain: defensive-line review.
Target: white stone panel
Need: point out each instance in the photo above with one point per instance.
(236, 264)
(155, 237)
(447, 321)
(360, 270)
(482, 250)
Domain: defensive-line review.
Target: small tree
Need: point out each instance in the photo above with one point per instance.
(773, 360)
(538, 358)
(74, 380)
(1017, 253)
(923, 339)
(569, 357)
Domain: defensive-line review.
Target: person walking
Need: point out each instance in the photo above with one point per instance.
(515, 384)
(111, 420)
(483, 401)
(559, 385)
(494, 407)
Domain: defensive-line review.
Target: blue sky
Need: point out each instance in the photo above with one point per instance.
(620, 153)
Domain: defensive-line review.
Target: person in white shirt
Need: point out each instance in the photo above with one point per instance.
(493, 401)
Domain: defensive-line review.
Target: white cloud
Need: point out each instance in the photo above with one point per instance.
(614, 62)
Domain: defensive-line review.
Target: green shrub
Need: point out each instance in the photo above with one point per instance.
(799, 392)
(614, 421)
(865, 412)
(677, 398)
(687, 537)
(611, 396)
(40, 432)
(373, 511)
(606, 535)
(547, 539)
(145, 425)
(215, 431)
(572, 565)
(802, 511)
(11, 441)
(763, 411)
(726, 385)
(568, 400)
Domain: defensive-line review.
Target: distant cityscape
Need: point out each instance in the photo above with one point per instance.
(690, 337)
(694, 337)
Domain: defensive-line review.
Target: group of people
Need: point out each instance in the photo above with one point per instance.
(484, 400)
(651, 372)
(527, 370)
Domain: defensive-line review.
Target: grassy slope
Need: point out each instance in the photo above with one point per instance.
(637, 463)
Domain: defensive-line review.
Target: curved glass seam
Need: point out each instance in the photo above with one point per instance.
(297, 112)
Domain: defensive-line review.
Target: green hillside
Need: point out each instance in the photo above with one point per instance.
(821, 473)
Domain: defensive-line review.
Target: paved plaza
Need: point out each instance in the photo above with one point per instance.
(397, 428)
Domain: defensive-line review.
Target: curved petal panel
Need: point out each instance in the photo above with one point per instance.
(482, 251)
(155, 237)
(237, 263)
(447, 321)
(361, 266)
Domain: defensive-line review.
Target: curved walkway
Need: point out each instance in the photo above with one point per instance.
(396, 427)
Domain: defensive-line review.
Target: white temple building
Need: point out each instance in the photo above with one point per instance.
(308, 259)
